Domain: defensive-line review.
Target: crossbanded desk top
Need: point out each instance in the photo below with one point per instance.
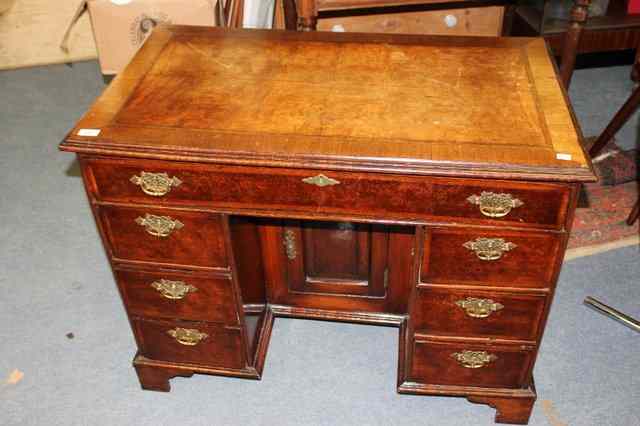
(421, 104)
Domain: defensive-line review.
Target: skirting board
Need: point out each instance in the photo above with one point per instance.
(601, 248)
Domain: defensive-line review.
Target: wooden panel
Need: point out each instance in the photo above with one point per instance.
(198, 243)
(395, 301)
(356, 4)
(322, 94)
(31, 32)
(344, 98)
(222, 347)
(530, 264)
(111, 179)
(339, 250)
(248, 259)
(543, 205)
(437, 313)
(336, 258)
(433, 363)
(484, 21)
(212, 299)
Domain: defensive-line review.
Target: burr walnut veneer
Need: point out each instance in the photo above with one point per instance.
(427, 183)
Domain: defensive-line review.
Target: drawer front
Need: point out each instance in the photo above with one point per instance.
(159, 182)
(190, 342)
(480, 21)
(314, 191)
(469, 313)
(489, 257)
(502, 202)
(445, 363)
(165, 236)
(178, 295)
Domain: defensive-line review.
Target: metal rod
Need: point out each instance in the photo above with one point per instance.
(612, 313)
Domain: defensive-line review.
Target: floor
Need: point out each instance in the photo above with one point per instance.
(63, 327)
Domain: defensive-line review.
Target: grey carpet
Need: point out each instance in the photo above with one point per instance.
(55, 280)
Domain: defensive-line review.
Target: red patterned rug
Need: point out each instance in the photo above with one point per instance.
(599, 223)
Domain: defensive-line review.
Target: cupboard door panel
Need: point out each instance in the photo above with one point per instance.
(336, 257)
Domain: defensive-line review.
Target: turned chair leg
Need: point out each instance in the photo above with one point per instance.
(621, 117)
(635, 212)
(635, 70)
(577, 20)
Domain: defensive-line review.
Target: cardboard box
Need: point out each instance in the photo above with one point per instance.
(120, 27)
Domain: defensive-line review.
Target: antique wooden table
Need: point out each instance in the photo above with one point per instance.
(427, 183)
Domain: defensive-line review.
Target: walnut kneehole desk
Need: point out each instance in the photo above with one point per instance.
(427, 183)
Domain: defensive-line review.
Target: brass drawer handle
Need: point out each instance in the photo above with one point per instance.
(187, 336)
(159, 226)
(173, 289)
(494, 205)
(321, 180)
(155, 184)
(479, 308)
(489, 248)
(289, 243)
(473, 359)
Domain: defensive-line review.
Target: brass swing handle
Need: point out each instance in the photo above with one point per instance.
(159, 226)
(489, 249)
(155, 184)
(473, 359)
(495, 205)
(173, 290)
(187, 336)
(479, 308)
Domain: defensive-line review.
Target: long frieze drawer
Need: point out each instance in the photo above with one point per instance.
(463, 364)
(187, 296)
(489, 257)
(393, 196)
(165, 236)
(190, 342)
(470, 313)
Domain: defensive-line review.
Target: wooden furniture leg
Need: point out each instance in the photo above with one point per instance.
(635, 212)
(579, 14)
(237, 14)
(155, 378)
(616, 123)
(635, 70)
(621, 117)
(508, 410)
(307, 15)
(513, 410)
(507, 20)
(290, 15)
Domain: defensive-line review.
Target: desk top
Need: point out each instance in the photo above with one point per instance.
(489, 107)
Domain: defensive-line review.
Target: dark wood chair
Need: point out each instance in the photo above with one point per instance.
(577, 23)
(614, 31)
(619, 119)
